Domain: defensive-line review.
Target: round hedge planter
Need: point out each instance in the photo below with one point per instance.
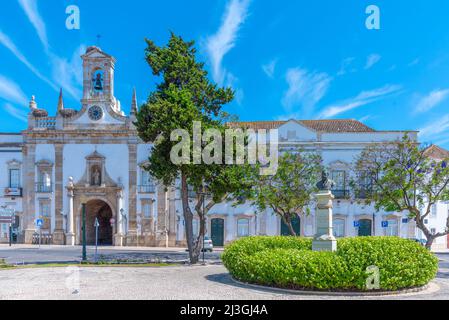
(290, 263)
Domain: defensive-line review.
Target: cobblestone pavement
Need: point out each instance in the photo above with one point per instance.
(22, 254)
(178, 282)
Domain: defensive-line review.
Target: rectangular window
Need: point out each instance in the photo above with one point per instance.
(4, 231)
(339, 228)
(339, 190)
(433, 211)
(145, 178)
(14, 178)
(339, 177)
(45, 208)
(243, 228)
(146, 209)
(392, 228)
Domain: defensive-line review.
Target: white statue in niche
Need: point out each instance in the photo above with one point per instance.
(96, 176)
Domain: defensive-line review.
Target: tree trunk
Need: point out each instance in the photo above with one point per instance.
(429, 242)
(421, 226)
(288, 221)
(202, 231)
(188, 219)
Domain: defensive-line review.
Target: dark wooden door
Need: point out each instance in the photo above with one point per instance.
(217, 232)
(365, 228)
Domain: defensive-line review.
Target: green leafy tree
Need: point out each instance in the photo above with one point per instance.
(183, 96)
(289, 191)
(400, 177)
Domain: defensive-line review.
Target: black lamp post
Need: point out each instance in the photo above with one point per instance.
(84, 233)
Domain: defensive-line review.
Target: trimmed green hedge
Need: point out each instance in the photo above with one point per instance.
(289, 262)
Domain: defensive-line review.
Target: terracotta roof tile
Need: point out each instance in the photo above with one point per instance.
(326, 126)
(436, 152)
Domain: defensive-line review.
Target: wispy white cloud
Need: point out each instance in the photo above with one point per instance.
(365, 118)
(431, 100)
(413, 63)
(434, 128)
(372, 60)
(67, 73)
(305, 89)
(363, 98)
(345, 65)
(32, 12)
(219, 44)
(270, 68)
(10, 91)
(16, 112)
(9, 44)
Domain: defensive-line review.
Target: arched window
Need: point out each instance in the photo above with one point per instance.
(243, 227)
(339, 228)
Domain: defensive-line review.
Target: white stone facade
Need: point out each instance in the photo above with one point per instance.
(93, 156)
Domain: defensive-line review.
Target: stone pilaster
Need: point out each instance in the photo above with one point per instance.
(162, 211)
(29, 156)
(58, 234)
(411, 228)
(172, 216)
(132, 201)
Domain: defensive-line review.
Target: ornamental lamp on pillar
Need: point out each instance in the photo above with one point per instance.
(324, 239)
(83, 200)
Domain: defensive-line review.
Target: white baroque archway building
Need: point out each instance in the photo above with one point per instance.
(93, 155)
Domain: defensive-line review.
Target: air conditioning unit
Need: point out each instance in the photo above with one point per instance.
(13, 192)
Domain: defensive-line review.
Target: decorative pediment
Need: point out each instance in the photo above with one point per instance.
(339, 165)
(95, 174)
(44, 163)
(14, 163)
(95, 156)
(294, 131)
(95, 52)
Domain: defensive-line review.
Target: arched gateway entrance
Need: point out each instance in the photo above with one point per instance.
(100, 210)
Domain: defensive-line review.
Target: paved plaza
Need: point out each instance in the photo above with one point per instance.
(176, 282)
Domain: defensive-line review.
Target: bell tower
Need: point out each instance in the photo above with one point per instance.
(98, 80)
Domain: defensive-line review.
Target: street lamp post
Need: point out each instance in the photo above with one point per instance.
(122, 213)
(84, 233)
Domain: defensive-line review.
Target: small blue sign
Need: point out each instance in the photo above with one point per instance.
(384, 224)
(356, 224)
(39, 223)
(405, 220)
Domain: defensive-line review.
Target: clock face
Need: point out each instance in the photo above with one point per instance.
(95, 113)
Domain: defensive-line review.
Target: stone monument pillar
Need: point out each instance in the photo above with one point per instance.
(324, 239)
(119, 236)
(70, 235)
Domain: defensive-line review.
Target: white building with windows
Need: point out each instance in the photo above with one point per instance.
(90, 159)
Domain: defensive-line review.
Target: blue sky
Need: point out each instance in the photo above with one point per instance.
(285, 59)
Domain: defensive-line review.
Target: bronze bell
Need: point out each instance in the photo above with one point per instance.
(98, 82)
